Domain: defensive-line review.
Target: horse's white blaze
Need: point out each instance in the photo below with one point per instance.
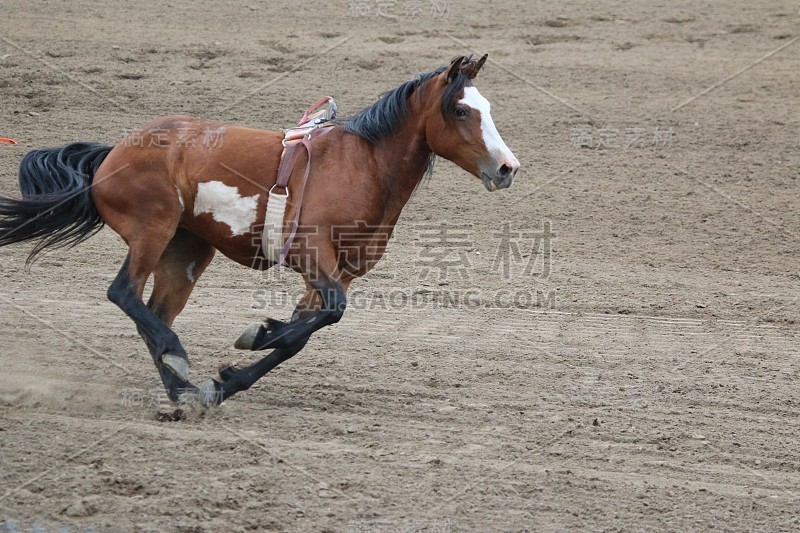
(226, 206)
(491, 138)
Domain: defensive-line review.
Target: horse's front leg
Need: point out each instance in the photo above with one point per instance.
(234, 380)
(312, 313)
(285, 335)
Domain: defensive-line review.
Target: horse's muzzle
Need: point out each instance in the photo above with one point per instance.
(497, 182)
(502, 177)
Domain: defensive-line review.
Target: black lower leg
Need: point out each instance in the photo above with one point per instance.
(280, 335)
(237, 380)
(242, 379)
(162, 342)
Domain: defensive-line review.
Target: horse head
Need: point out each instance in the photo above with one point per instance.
(459, 125)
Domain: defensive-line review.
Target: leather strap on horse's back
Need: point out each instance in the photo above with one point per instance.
(273, 248)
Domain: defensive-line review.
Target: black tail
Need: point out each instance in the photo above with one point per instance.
(56, 206)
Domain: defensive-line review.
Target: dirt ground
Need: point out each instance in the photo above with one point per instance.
(637, 371)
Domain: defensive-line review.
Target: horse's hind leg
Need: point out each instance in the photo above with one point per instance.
(181, 265)
(156, 252)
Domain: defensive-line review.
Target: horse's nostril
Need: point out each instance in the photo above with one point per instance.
(504, 170)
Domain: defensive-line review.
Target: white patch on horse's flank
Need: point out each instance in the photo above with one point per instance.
(180, 198)
(190, 271)
(226, 206)
(491, 138)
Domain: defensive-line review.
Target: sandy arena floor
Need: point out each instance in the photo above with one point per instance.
(637, 369)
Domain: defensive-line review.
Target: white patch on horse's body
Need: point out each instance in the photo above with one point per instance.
(491, 138)
(226, 206)
(180, 198)
(190, 271)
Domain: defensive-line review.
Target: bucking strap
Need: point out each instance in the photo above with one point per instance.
(272, 235)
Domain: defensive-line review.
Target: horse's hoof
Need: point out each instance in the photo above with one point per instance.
(247, 339)
(177, 365)
(209, 394)
(276, 335)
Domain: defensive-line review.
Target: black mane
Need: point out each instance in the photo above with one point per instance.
(381, 119)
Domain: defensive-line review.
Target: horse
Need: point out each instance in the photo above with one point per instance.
(179, 189)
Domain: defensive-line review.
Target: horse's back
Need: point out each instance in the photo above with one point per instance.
(199, 174)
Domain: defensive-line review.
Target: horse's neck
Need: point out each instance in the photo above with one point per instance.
(403, 161)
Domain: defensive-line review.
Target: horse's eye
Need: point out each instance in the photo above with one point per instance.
(461, 112)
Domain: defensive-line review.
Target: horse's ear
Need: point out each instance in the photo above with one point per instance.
(455, 68)
(471, 68)
(481, 61)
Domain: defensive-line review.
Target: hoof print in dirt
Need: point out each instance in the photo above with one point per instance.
(170, 413)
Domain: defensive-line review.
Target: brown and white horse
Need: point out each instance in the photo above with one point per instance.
(181, 188)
